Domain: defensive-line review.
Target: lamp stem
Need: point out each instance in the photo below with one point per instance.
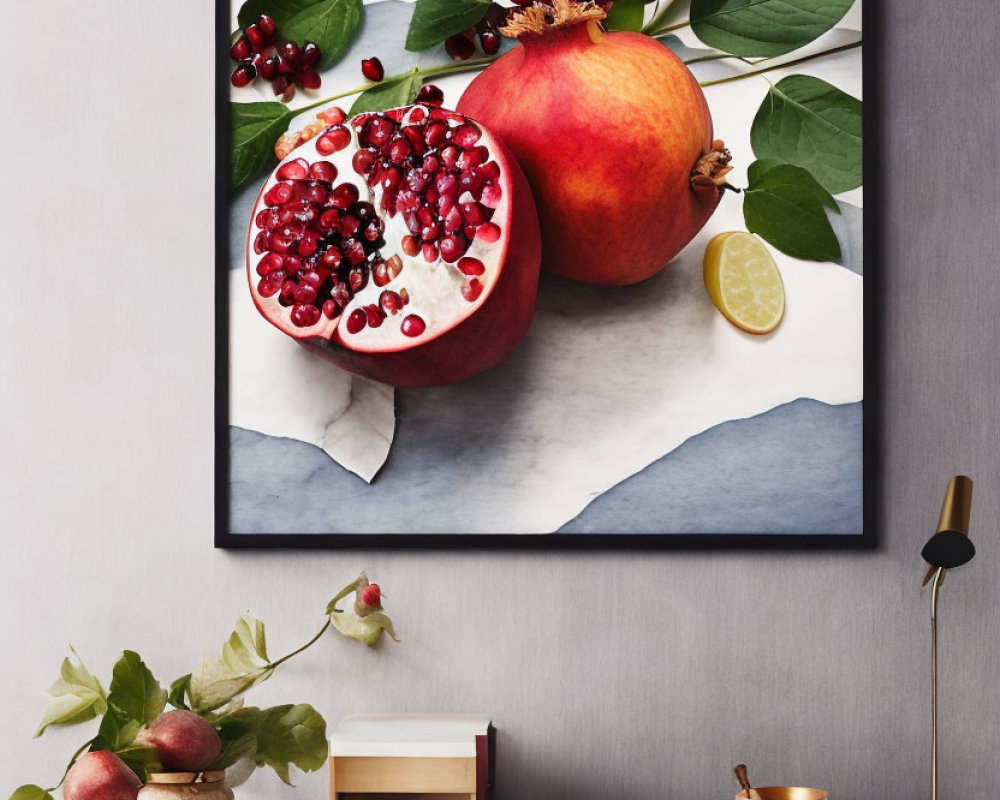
(935, 591)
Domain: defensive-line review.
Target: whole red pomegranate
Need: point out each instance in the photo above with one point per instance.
(401, 245)
(101, 775)
(610, 129)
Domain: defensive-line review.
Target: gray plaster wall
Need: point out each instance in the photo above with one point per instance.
(610, 675)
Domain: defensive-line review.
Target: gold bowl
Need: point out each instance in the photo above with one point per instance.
(783, 793)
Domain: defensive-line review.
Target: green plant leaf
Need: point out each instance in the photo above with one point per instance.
(332, 24)
(784, 205)
(764, 27)
(116, 732)
(177, 691)
(388, 94)
(30, 792)
(244, 664)
(142, 759)
(810, 123)
(254, 128)
(365, 629)
(237, 743)
(246, 650)
(433, 21)
(284, 735)
(77, 696)
(134, 691)
(331, 607)
(626, 15)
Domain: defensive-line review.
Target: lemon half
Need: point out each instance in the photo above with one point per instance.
(743, 282)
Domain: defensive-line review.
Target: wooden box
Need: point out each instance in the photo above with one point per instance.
(412, 757)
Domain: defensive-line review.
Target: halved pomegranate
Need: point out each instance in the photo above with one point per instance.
(402, 246)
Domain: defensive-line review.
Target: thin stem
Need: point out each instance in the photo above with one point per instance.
(72, 761)
(308, 644)
(675, 27)
(784, 64)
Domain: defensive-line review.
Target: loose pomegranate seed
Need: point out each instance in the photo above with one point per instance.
(267, 26)
(431, 95)
(471, 266)
(380, 275)
(255, 36)
(472, 290)
(372, 69)
(394, 265)
(412, 325)
(310, 55)
(334, 140)
(490, 41)
(410, 246)
(404, 296)
(375, 315)
(291, 53)
(356, 321)
(240, 51)
(460, 46)
(390, 302)
(452, 247)
(488, 232)
(308, 79)
(269, 68)
(243, 75)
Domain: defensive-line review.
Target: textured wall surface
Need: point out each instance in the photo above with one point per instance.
(611, 675)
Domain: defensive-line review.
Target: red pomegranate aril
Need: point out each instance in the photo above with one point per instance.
(412, 325)
(392, 178)
(288, 290)
(269, 68)
(374, 315)
(452, 247)
(488, 232)
(394, 265)
(372, 69)
(449, 155)
(378, 132)
(472, 290)
(305, 293)
(332, 257)
(295, 170)
(349, 225)
(333, 141)
(260, 243)
(308, 79)
(243, 75)
(491, 195)
(466, 135)
(363, 161)
(310, 55)
(390, 302)
(240, 51)
(399, 149)
(430, 253)
(431, 95)
(268, 288)
(344, 196)
(333, 116)
(496, 17)
(453, 220)
(380, 274)
(329, 309)
(267, 26)
(431, 164)
(372, 231)
(272, 262)
(290, 53)
(415, 136)
(255, 36)
(304, 316)
(341, 294)
(436, 133)
(473, 157)
(355, 252)
(430, 233)
(471, 266)
(357, 279)
(410, 246)
(330, 220)
(490, 171)
(307, 244)
(459, 47)
(323, 171)
(356, 321)
(474, 213)
(446, 184)
(490, 41)
(279, 85)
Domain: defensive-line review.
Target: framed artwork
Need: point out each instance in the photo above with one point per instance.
(556, 274)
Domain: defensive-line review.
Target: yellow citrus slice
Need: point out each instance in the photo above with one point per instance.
(743, 282)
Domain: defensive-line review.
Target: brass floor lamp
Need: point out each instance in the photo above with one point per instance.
(950, 547)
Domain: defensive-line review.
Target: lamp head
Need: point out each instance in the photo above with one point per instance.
(950, 547)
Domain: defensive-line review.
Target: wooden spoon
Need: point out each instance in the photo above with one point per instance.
(740, 770)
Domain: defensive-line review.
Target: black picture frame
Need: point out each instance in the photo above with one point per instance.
(872, 370)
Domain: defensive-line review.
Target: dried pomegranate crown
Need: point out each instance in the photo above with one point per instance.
(541, 17)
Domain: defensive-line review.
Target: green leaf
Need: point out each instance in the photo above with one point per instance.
(388, 94)
(331, 607)
(177, 691)
(134, 691)
(246, 650)
(433, 21)
(244, 664)
(332, 24)
(365, 629)
(810, 123)
(764, 27)
(116, 732)
(626, 15)
(77, 696)
(237, 743)
(784, 205)
(285, 735)
(142, 759)
(30, 792)
(254, 128)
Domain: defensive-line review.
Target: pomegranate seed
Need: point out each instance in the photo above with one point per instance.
(279, 84)
(431, 95)
(288, 290)
(380, 274)
(491, 195)
(330, 309)
(392, 178)
(307, 244)
(304, 316)
(240, 51)
(323, 171)
(308, 79)
(341, 294)
(363, 162)
(452, 247)
(372, 69)
(305, 293)
(459, 46)
(255, 36)
(332, 257)
(357, 279)
(496, 17)
(279, 194)
(267, 26)
(260, 243)
(453, 220)
(349, 225)
(466, 135)
(430, 233)
(243, 75)
(378, 131)
(409, 246)
(474, 213)
(399, 149)
(355, 252)
(490, 171)
(404, 296)
(268, 288)
(390, 302)
(272, 262)
(310, 55)
(333, 141)
(412, 325)
(449, 155)
(490, 41)
(394, 265)
(356, 321)
(344, 196)
(269, 68)
(435, 133)
(446, 184)
(488, 232)
(372, 231)
(333, 116)
(430, 253)
(415, 136)
(471, 266)
(472, 290)
(291, 55)
(330, 220)
(473, 157)
(295, 170)
(285, 67)
(375, 315)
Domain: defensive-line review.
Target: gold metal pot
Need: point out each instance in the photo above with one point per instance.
(783, 793)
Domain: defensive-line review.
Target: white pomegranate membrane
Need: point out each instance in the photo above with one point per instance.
(382, 233)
